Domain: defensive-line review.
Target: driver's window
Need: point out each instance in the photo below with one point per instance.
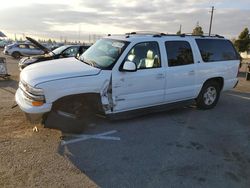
(70, 52)
(145, 55)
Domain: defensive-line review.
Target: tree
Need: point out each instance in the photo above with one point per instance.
(49, 41)
(242, 44)
(178, 32)
(197, 30)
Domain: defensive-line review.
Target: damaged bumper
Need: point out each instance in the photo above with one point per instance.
(33, 113)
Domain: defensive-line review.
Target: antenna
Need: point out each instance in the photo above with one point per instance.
(211, 20)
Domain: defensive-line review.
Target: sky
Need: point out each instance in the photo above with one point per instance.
(79, 19)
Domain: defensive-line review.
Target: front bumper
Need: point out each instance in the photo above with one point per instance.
(6, 52)
(29, 109)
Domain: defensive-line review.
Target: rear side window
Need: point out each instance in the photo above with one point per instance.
(22, 46)
(179, 53)
(216, 50)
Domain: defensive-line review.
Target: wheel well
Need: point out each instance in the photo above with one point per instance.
(219, 80)
(91, 100)
(16, 52)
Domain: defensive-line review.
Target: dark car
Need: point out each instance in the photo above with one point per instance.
(60, 52)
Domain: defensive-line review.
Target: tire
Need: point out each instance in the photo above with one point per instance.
(209, 95)
(16, 55)
(70, 116)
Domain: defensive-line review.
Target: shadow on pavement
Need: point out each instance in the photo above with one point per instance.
(9, 85)
(179, 148)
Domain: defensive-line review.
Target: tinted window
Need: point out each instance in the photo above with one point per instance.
(22, 46)
(145, 55)
(71, 51)
(179, 53)
(32, 47)
(216, 50)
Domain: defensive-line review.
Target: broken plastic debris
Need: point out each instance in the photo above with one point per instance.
(35, 129)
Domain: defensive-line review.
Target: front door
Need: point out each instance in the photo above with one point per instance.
(144, 87)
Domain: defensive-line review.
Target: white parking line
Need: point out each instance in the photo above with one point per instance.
(82, 137)
(247, 98)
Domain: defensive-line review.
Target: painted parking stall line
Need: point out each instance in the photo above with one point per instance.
(82, 137)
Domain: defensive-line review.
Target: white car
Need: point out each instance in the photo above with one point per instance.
(127, 73)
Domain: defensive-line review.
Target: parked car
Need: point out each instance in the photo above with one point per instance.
(60, 52)
(17, 50)
(125, 74)
(3, 43)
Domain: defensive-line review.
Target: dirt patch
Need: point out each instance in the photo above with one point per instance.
(31, 159)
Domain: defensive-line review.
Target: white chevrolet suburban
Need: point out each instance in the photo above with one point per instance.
(135, 71)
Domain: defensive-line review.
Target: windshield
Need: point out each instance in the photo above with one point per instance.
(104, 53)
(58, 50)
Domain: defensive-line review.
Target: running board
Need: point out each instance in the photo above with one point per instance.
(149, 110)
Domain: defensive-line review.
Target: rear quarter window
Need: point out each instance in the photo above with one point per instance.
(212, 50)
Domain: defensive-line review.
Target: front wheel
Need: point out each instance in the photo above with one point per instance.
(209, 95)
(70, 116)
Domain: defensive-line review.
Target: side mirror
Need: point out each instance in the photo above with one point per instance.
(129, 66)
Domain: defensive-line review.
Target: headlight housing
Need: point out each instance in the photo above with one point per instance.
(27, 61)
(35, 96)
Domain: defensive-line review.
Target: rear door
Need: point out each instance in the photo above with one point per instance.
(181, 71)
(23, 49)
(33, 50)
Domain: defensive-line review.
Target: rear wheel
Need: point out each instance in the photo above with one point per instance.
(209, 95)
(16, 55)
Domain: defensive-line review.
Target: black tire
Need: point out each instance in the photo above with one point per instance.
(16, 55)
(69, 116)
(209, 95)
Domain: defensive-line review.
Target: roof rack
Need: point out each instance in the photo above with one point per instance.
(158, 34)
(146, 33)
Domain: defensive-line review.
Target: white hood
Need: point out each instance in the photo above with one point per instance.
(56, 69)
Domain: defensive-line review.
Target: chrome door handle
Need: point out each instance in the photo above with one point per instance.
(160, 75)
(191, 72)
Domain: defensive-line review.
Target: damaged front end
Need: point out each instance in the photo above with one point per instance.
(106, 97)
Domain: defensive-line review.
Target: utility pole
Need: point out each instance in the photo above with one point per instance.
(211, 20)
(79, 32)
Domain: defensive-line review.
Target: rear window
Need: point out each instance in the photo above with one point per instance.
(179, 53)
(216, 50)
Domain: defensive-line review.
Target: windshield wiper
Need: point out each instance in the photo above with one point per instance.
(89, 62)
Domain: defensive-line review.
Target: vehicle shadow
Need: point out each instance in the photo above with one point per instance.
(114, 163)
(66, 125)
(157, 148)
(9, 85)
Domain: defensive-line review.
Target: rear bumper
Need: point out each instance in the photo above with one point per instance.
(230, 84)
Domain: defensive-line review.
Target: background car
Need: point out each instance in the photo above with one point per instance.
(61, 52)
(17, 50)
(3, 43)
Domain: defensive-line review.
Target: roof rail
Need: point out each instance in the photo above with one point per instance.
(159, 34)
(145, 33)
(203, 35)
